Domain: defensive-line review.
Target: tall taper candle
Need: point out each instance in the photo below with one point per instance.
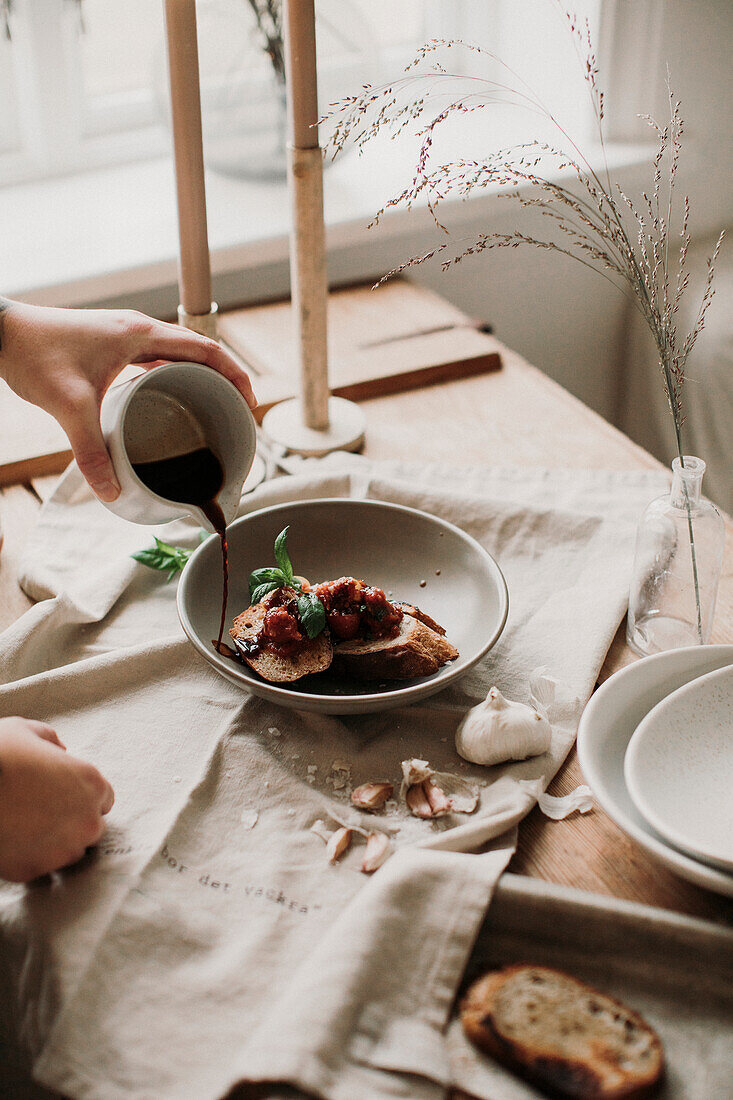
(309, 287)
(183, 68)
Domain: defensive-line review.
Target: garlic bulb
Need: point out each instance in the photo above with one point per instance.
(498, 730)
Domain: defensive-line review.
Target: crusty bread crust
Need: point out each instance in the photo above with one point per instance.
(562, 1034)
(416, 651)
(418, 613)
(315, 656)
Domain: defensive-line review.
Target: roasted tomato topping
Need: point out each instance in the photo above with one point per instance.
(343, 624)
(281, 625)
(357, 610)
(353, 610)
(281, 629)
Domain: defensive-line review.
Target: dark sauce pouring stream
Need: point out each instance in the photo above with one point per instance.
(195, 478)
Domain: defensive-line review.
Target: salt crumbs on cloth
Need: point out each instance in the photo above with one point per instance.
(207, 941)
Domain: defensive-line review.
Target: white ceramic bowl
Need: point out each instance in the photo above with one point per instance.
(679, 768)
(387, 545)
(606, 728)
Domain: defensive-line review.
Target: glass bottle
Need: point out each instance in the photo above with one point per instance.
(679, 555)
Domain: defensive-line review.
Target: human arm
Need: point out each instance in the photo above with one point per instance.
(52, 804)
(64, 360)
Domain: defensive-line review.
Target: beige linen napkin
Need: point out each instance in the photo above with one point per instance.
(207, 941)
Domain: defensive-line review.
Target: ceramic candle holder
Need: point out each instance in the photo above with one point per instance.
(168, 411)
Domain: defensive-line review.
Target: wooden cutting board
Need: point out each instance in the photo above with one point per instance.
(387, 340)
(395, 338)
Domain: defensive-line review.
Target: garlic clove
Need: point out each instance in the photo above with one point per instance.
(372, 796)
(414, 772)
(417, 801)
(464, 796)
(378, 848)
(321, 829)
(424, 797)
(439, 803)
(427, 801)
(498, 730)
(337, 844)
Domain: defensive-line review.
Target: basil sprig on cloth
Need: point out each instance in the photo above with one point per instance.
(263, 581)
(169, 559)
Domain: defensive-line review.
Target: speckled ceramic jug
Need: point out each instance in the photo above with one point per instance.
(168, 411)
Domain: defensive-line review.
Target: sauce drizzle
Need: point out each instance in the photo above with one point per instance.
(195, 478)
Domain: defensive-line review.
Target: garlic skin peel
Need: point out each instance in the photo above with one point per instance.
(499, 730)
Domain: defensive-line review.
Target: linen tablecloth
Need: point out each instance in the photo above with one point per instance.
(206, 941)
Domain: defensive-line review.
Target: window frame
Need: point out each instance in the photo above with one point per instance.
(55, 132)
(49, 129)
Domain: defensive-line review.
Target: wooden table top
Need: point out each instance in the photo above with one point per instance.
(515, 416)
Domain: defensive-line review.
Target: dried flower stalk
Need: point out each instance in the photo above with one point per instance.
(633, 245)
(269, 20)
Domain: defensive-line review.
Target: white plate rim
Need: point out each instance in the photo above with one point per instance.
(368, 701)
(636, 788)
(690, 869)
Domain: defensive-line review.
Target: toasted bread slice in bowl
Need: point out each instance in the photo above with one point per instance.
(418, 650)
(315, 655)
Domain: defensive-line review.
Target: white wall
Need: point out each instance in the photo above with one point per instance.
(550, 309)
(559, 315)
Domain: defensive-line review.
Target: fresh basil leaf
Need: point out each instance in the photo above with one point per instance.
(169, 559)
(267, 573)
(166, 548)
(312, 614)
(262, 590)
(148, 557)
(275, 577)
(281, 554)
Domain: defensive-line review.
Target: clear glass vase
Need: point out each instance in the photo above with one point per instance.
(242, 88)
(679, 555)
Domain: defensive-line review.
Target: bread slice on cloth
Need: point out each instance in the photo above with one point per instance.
(314, 656)
(417, 650)
(562, 1035)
